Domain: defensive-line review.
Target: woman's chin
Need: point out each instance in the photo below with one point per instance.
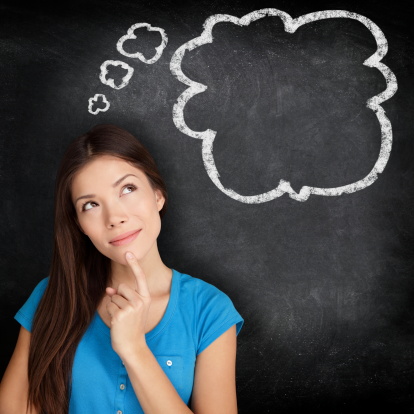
(120, 259)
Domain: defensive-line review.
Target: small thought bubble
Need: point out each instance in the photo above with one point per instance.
(111, 82)
(130, 35)
(290, 25)
(96, 100)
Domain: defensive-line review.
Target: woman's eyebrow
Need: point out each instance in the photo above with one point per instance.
(117, 182)
(121, 179)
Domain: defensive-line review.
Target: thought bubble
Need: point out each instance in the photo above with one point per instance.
(130, 35)
(111, 82)
(96, 100)
(290, 26)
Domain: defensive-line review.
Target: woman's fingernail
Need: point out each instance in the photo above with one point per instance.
(129, 255)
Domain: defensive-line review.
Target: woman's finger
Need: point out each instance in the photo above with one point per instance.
(142, 287)
(111, 308)
(110, 291)
(119, 301)
(127, 292)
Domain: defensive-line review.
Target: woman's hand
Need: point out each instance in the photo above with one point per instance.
(128, 309)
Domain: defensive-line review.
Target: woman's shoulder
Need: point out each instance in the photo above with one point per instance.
(26, 313)
(38, 291)
(198, 287)
(204, 295)
(42, 285)
(212, 309)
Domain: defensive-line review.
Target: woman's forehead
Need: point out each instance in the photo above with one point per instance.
(105, 170)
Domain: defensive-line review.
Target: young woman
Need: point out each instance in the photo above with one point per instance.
(113, 329)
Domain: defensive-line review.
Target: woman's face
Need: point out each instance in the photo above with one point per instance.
(115, 200)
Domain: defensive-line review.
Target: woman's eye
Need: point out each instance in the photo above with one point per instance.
(88, 205)
(129, 188)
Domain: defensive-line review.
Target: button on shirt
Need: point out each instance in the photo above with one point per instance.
(197, 313)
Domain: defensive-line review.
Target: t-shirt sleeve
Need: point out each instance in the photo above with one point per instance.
(217, 314)
(27, 312)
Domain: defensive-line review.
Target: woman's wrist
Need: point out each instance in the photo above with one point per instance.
(135, 355)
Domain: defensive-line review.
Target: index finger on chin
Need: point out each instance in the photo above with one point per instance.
(141, 280)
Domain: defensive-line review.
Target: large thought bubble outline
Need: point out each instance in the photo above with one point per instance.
(290, 26)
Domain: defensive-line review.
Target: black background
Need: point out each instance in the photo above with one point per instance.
(325, 286)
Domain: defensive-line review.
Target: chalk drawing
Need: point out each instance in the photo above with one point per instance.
(291, 25)
(130, 35)
(110, 82)
(96, 100)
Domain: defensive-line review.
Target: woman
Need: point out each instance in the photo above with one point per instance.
(113, 329)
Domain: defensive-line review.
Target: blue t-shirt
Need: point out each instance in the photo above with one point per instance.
(197, 313)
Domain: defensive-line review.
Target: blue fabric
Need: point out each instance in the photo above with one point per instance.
(197, 313)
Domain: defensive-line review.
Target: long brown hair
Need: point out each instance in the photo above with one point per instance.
(78, 273)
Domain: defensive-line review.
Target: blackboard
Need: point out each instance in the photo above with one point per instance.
(324, 279)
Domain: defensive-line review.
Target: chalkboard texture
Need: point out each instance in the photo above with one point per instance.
(288, 157)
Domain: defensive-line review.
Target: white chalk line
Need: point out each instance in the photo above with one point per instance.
(131, 35)
(111, 82)
(130, 70)
(94, 100)
(291, 25)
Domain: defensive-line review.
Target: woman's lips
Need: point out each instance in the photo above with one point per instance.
(125, 240)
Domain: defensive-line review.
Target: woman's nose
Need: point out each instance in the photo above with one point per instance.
(116, 215)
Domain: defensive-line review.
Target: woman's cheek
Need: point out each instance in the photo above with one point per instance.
(89, 228)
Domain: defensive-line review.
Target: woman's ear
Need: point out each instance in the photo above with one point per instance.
(160, 200)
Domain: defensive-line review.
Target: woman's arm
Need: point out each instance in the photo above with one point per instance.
(15, 383)
(154, 390)
(214, 384)
(128, 310)
(214, 389)
(215, 377)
